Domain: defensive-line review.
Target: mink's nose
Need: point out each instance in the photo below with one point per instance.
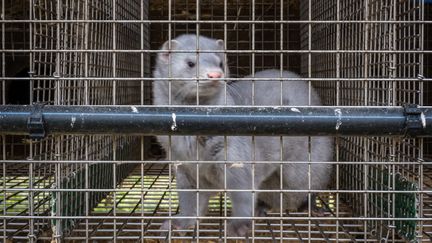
(214, 74)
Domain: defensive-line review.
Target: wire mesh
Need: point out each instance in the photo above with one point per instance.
(365, 37)
(428, 70)
(98, 188)
(62, 91)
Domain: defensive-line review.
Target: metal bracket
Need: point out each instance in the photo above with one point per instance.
(35, 122)
(413, 122)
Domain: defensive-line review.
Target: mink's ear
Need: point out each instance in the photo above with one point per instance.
(220, 44)
(164, 56)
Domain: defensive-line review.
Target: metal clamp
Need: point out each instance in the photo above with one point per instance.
(35, 122)
(413, 122)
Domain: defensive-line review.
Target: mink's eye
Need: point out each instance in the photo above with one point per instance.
(221, 65)
(191, 64)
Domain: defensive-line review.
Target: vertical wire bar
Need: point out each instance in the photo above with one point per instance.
(393, 183)
(58, 210)
(338, 75)
(309, 47)
(225, 61)
(309, 103)
(169, 56)
(114, 138)
(394, 47)
(114, 54)
(142, 188)
(338, 45)
(87, 187)
(31, 64)
(337, 201)
(169, 155)
(86, 54)
(3, 41)
(365, 54)
(281, 46)
(237, 37)
(281, 187)
(86, 101)
(197, 190)
(58, 53)
(58, 176)
(366, 142)
(225, 137)
(142, 47)
(421, 101)
(197, 74)
(253, 103)
(309, 186)
(197, 48)
(170, 190)
(31, 233)
(253, 52)
(142, 145)
(421, 195)
(393, 103)
(3, 138)
(114, 155)
(225, 188)
(253, 187)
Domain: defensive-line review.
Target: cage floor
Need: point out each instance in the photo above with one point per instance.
(149, 197)
(159, 204)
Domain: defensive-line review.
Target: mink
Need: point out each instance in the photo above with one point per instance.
(210, 68)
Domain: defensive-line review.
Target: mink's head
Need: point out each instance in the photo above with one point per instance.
(188, 66)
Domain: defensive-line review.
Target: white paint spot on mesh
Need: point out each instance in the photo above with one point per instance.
(237, 165)
(134, 109)
(423, 119)
(338, 113)
(174, 122)
(73, 121)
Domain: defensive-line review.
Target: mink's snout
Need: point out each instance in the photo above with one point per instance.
(214, 75)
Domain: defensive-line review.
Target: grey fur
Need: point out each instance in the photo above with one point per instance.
(239, 148)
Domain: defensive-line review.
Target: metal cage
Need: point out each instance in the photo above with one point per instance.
(121, 187)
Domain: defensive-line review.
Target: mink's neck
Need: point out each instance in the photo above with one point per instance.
(217, 99)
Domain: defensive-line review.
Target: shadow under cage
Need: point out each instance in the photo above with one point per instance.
(114, 187)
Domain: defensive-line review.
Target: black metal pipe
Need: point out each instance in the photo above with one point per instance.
(202, 120)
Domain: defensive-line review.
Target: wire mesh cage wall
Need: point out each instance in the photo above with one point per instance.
(403, 70)
(45, 74)
(112, 187)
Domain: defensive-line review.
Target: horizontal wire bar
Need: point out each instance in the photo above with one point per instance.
(212, 51)
(257, 21)
(272, 224)
(221, 190)
(202, 237)
(189, 238)
(211, 162)
(223, 79)
(212, 217)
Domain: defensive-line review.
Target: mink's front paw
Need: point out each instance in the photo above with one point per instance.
(177, 224)
(238, 228)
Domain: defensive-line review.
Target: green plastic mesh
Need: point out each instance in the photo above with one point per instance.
(406, 207)
(393, 205)
(100, 176)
